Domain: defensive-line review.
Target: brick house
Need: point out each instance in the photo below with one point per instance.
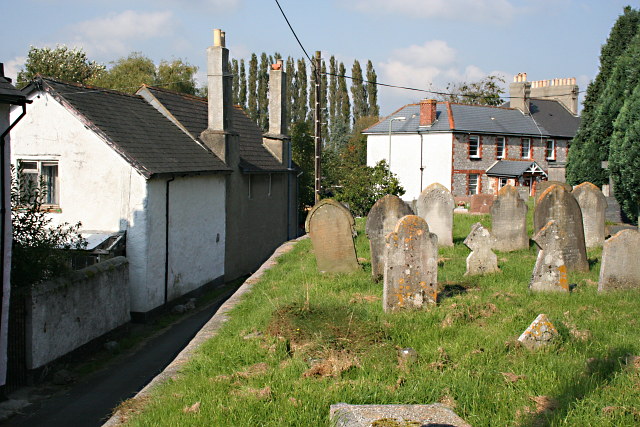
(473, 149)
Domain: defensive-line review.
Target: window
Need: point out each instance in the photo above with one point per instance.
(551, 149)
(45, 171)
(500, 144)
(502, 182)
(473, 184)
(526, 148)
(474, 147)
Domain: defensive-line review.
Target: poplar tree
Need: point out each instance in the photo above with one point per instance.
(236, 82)
(263, 89)
(324, 102)
(332, 97)
(372, 91)
(312, 94)
(301, 102)
(343, 94)
(242, 91)
(340, 126)
(252, 88)
(291, 88)
(358, 92)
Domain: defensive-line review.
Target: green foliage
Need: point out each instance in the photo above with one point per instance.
(235, 84)
(40, 249)
(177, 76)
(62, 63)
(300, 102)
(332, 101)
(263, 90)
(302, 151)
(242, 90)
(486, 91)
(343, 109)
(253, 88)
(358, 92)
(372, 91)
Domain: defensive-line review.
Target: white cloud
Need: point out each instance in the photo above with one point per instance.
(434, 52)
(14, 65)
(459, 10)
(218, 5)
(116, 33)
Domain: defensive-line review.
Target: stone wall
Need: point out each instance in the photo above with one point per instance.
(64, 314)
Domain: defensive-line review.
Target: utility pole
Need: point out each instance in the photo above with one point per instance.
(317, 125)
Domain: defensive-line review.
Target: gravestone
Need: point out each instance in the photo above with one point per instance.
(481, 203)
(435, 205)
(330, 226)
(542, 186)
(436, 414)
(620, 267)
(540, 333)
(411, 265)
(523, 192)
(550, 271)
(481, 260)
(593, 205)
(557, 204)
(509, 221)
(382, 220)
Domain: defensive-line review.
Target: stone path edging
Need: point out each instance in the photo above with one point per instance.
(209, 330)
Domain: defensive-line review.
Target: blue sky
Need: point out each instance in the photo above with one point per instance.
(417, 43)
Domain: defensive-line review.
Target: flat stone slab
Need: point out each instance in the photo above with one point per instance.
(436, 414)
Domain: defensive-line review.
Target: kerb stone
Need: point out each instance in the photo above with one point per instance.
(481, 260)
(593, 205)
(620, 267)
(509, 221)
(382, 220)
(436, 414)
(435, 205)
(550, 272)
(330, 226)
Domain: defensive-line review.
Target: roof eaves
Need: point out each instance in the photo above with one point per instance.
(386, 117)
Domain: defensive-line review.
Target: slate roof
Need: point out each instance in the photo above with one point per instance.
(451, 117)
(135, 129)
(9, 94)
(192, 113)
(555, 118)
(510, 168)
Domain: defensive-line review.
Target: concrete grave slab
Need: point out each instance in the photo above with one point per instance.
(382, 220)
(435, 205)
(593, 205)
(481, 260)
(509, 221)
(331, 226)
(436, 414)
(540, 333)
(620, 267)
(550, 272)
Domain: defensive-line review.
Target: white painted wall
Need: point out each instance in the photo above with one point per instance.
(406, 160)
(6, 261)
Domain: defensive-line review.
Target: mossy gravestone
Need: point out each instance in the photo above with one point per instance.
(481, 260)
(540, 333)
(557, 204)
(435, 205)
(382, 220)
(411, 266)
(509, 221)
(593, 205)
(620, 267)
(550, 271)
(330, 226)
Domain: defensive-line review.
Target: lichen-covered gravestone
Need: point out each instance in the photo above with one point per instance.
(557, 204)
(330, 226)
(411, 266)
(550, 271)
(593, 205)
(620, 267)
(435, 205)
(542, 186)
(436, 414)
(481, 260)
(509, 221)
(540, 333)
(382, 220)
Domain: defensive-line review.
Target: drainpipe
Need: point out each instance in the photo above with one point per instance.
(166, 242)
(421, 159)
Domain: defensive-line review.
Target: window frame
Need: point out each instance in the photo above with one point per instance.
(522, 150)
(476, 186)
(53, 197)
(551, 157)
(501, 141)
(478, 150)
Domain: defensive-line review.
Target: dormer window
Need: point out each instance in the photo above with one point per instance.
(474, 147)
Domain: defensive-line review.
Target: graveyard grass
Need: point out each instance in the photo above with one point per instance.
(301, 341)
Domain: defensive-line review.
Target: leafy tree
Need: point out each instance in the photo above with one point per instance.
(344, 113)
(358, 142)
(253, 88)
(235, 86)
(302, 150)
(312, 93)
(486, 91)
(177, 75)
(324, 102)
(332, 98)
(358, 92)
(242, 90)
(62, 63)
(128, 74)
(38, 251)
(291, 87)
(372, 91)
(263, 90)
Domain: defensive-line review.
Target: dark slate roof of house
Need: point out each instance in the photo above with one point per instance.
(510, 168)
(555, 118)
(192, 113)
(451, 117)
(9, 94)
(135, 129)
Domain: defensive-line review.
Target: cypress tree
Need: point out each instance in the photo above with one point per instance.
(343, 93)
(242, 91)
(358, 92)
(332, 97)
(236, 82)
(253, 88)
(301, 102)
(291, 88)
(263, 90)
(323, 103)
(372, 91)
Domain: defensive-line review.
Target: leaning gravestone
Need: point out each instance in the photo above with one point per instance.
(330, 226)
(557, 204)
(481, 260)
(593, 205)
(509, 221)
(540, 333)
(550, 271)
(620, 267)
(382, 220)
(435, 205)
(411, 265)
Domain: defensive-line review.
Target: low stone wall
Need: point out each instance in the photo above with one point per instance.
(65, 313)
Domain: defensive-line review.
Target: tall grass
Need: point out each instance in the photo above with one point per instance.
(301, 341)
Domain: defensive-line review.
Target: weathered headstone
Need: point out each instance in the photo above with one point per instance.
(481, 203)
(593, 205)
(330, 226)
(620, 268)
(540, 333)
(382, 220)
(523, 192)
(550, 271)
(435, 205)
(411, 265)
(542, 186)
(557, 204)
(481, 260)
(509, 221)
(436, 414)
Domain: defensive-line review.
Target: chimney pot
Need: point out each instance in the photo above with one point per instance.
(427, 112)
(217, 37)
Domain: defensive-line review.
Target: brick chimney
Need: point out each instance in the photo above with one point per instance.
(520, 93)
(219, 81)
(277, 139)
(427, 112)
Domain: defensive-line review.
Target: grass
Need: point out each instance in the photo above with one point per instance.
(301, 341)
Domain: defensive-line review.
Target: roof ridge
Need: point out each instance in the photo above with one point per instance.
(83, 86)
(175, 92)
(482, 105)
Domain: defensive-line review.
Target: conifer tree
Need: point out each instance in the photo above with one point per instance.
(343, 94)
(291, 88)
(372, 91)
(358, 92)
(332, 97)
(263, 92)
(323, 102)
(312, 94)
(236, 82)
(253, 88)
(242, 91)
(301, 102)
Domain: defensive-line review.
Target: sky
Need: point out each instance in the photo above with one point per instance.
(423, 44)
